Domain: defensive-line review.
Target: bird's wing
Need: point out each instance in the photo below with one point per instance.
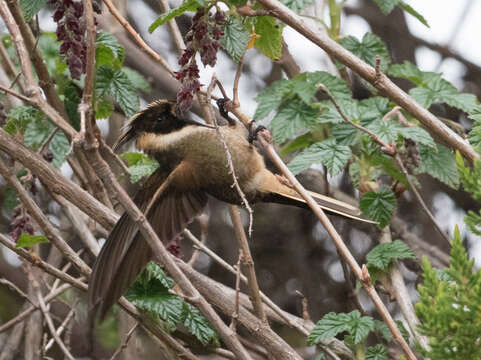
(126, 253)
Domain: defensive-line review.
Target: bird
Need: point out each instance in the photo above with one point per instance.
(192, 166)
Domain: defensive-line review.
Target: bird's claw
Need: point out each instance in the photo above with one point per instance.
(254, 130)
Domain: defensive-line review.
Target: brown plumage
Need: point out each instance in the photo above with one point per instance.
(193, 165)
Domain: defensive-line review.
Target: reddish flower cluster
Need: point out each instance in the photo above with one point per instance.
(71, 32)
(202, 38)
(21, 224)
(174, 246)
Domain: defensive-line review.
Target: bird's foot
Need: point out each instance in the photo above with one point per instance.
(223, 104)
(254, 130)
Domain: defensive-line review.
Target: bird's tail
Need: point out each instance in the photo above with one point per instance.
(283, 194)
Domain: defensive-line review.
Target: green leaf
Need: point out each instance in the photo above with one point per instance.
(475, 113)
(440, 164)
(305, 85)
(271, 98)
(378, 352)
(328, 153)
(382, 255)
(60, 147)
(36, 133)
(332, 324)
(387, 6)
(49, 48)
(137, 79)
(379, 206)
(345, 134)
(140, 165)
(418, 135)
(103, 108)
(329, 326)
(292, 117)
(330, 114)
(387, 131)
(115, 83)
(373, 108)
(109, 51)
(367, 49)
(409, 71)
(154, 271)
(72, 97)
(381, 327)
(297, 5)
(198, 325)
(10, 200)
(269, 41)
(189, 5)
(360, 326)
(407, 8)
(19, 118)
(27, 240)
(156, 299)
(235, 38)
(299, 143)
(30, 8)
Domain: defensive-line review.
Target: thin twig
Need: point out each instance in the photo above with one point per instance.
(248, 262)
(16, 289)
(113, 10)
(62, 327)
(305, 311)
(124, 344)
(235, 89)
(47, 141)
(16, 94)
(235, 314)
(48, 319)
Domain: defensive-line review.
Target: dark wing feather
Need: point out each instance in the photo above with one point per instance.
(125, 253)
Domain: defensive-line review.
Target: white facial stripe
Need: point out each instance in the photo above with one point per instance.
(162, 142)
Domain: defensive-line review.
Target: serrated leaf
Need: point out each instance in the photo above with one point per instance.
(382, 255)
(109, 51)
(440, 164)
(387, 131)
(137, 79)
(49, 48)
(345, 134)
(154, 271)
(381, 327)
(72, 97)
(386, 163)
(103, 108)
(140, 165)
(269, 41)
(332, 324)
(331, 115)
(30, 8)
(306, 86)
(407, 8)
(189, 5)
(10, 200)
(60, 147)
(328, 153)
(372, 109)
(418, 135)
(475, 114)
(409, 71)
(367, 49)
(329, 326)
(10, 127)
(271, 98)
(235, 38)
(292, 117)
(360, 326)
(115, 83)
(299, 143)
(156, 299)
(387, 6)
(27, 240)
(19, 118)
(36, 133)
(297, 5)
(378, 352)
(198, 325)
(379, 206)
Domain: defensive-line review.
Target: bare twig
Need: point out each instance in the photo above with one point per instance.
(305, 311)
(50, 324)
(248, 262)
(61, 328)
(125, 342)
(16, 289)
(235, 314)
(174, 29)
(401, 293)
(113, 10)
(16, 94)
(235, 88)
